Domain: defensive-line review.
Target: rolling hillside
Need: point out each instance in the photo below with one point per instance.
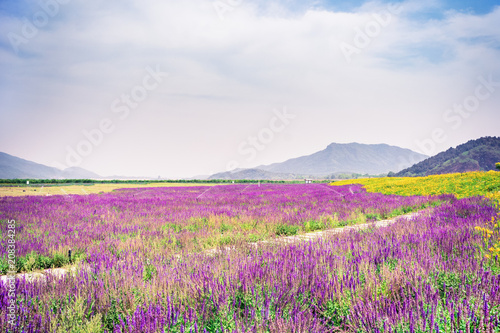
(475, 155)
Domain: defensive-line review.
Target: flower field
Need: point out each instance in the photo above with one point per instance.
(149, 273)
(468, 184)
(462, 185)
(173, 220)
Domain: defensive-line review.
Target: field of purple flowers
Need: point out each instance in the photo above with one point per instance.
(173, 220)
(423, 275)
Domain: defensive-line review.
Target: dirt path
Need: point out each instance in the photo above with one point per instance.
(322, 233)
(57, 272)
(318, 234)
(60, 272)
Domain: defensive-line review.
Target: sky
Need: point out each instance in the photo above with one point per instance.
(184, 88)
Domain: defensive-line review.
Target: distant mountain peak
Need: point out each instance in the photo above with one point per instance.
(349, 157)
(336, 158)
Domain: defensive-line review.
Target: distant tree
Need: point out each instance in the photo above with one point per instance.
(498, 165)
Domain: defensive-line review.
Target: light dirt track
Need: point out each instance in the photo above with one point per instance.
(310, 236)
(323, 233)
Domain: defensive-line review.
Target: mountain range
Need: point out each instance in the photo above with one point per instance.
(336, 158)
(12, 167)
(351, 158)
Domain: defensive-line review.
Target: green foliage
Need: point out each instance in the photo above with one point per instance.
(148, 272)
(171, 227)
(373, 217)
(226, 240)
(34, 261)
(497, 165)
(244, 300)
(336, 312)
(447, 282)
(287, 230)
(353, 176)
(313, 225)
(224, 227)
(401, 211)
(255, 237)
(4, 266)
(112, 316)
(354, 218)
(75, 318)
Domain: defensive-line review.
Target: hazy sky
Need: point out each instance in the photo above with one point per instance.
(181, 88)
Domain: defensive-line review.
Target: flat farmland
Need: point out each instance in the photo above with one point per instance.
(45, 190)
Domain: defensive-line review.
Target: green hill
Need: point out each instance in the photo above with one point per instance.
(475, 155)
